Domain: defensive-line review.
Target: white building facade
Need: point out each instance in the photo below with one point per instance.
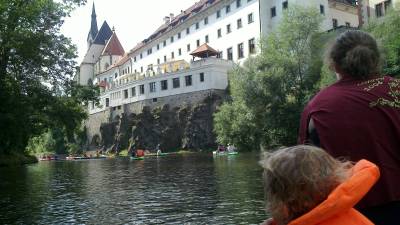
(373, 9)
(231, 27)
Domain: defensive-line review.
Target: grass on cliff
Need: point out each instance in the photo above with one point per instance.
(16, 159)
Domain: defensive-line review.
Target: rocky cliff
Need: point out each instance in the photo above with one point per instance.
(183, 127)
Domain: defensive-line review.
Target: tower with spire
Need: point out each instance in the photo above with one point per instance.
(104, 50)
(93, 28)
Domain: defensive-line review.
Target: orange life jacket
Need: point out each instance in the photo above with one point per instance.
(338, 209)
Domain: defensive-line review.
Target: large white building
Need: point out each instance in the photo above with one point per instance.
(161, 65)
(372, 9)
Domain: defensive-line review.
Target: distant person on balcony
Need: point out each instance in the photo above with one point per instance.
(359, 117)
(304, 185)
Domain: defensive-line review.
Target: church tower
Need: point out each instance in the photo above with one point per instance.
(93, 28)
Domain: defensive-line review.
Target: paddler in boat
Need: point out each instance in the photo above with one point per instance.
(158, 148)
(139, 153)
(132, 150)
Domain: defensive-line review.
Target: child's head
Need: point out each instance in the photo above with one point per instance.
(298, 178)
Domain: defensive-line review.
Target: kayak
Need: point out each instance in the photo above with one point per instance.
(84, 158)
(137, 158)
(156, 155)
(215, 153)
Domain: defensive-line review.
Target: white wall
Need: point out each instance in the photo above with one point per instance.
(215, 77)
(268, 23)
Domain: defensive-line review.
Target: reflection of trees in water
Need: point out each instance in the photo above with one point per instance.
(239, 185)
(37, 194)
(172, 189)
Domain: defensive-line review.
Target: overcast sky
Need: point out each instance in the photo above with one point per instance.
(134, 20)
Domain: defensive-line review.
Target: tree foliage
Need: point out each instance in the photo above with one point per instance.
(387, 30)
(270, 91)
(36, 67)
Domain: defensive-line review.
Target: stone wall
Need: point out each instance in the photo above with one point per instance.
(179, 121)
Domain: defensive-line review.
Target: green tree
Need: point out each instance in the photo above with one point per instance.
(36, 67)
(270, 91)
(387, 30)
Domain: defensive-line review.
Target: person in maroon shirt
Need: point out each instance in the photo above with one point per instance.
(359, 117)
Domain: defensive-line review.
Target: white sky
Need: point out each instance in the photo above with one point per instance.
(134, 20)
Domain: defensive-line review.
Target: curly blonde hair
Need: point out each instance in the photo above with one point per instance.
(297, 179)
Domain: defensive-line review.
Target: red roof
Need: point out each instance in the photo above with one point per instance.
(204, 51)
(113, 46)
(184, 15)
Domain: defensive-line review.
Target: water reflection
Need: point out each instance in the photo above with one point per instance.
(184, 189)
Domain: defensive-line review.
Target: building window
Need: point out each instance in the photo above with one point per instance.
(176, 83)
(285, 5)
(141, 69)
(238, 3)
(126, 94)
(218, 14)
(322, 9)
(172, 39)
(133, 91)
(141, 89)
(179, 51)
(219, 33)
(188, 30)
(334, 23)
(134, 59)
(206, 39)
(220, 55)
(250, 18)
(107, 102)
(158, 46)
(387, 4)
(378, 10)
(228, 28)
(240, 51)
(273, 12)
(188, 80)
(188, 47)
(229, 54)
(141, 55)
(149, 51)
(164, 43)
(252, 46)
(197, 25)
(348, 24)
(165, 58)
(239, 23)
(172, 55)
(164, 85)
(179, 35)
(206, 21)
(198, 42)
(152, 86)
(227, 9)
(201, 77)
(158, 61)
(154, 99)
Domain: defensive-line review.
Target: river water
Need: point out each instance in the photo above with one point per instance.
(180, 189)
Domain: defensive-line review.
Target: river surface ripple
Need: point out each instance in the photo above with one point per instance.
(181, 189)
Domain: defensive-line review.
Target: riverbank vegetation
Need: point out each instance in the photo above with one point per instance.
(37, 94)
(270, 90)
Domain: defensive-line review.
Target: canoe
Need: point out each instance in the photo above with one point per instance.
(137, 158)
(215, 153)
(84, 158)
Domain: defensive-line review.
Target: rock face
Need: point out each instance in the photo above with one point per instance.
(184, 127)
